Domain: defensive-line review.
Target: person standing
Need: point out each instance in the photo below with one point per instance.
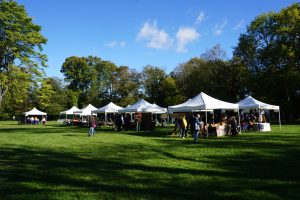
(183, 127)
(93, 125)
(233, 125)
(138, 121)
(44, 120)
(197, 127)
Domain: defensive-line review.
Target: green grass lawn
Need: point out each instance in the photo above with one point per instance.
(55, 162)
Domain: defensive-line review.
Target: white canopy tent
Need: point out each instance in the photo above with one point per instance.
(109, 108)
(34, 111)
(203, 102)
(86, 111)
(69, 112)
(162, 110)
(141, 106)
(251, 103)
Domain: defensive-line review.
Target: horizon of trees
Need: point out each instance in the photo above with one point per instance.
(265, 65)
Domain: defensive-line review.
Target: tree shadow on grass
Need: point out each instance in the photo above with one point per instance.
(32, 129)
(28, 173)
(264, 168)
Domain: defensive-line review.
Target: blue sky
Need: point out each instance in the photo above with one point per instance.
(135, 33)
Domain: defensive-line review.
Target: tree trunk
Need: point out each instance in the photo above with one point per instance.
(3, 90)
(289, 104)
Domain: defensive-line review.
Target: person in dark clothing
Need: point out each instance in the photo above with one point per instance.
(119, 122)
(233, 122)
(127, 122)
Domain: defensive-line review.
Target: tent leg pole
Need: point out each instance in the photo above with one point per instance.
(239, 120)
(279, 121)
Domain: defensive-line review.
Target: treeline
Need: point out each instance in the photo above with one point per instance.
(265, 64)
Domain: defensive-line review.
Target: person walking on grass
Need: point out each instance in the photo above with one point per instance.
(93, 125)
(197, 127)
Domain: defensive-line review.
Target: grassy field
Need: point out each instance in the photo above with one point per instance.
(54, 162)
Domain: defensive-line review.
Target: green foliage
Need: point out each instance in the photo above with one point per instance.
(20, 44)
(170, 93)
(270, 50)
(209, 73)
(97, 81)
(152, 78)
(18, 94)
(126, 86)
(44, 94)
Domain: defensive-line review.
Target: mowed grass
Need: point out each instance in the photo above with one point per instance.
(56, 162)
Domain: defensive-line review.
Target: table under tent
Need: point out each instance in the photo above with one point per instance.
(67, 114)
(107, 109)
(85, 114)
(143, 111)
(251, 103)
(205, 103)
(34, 112)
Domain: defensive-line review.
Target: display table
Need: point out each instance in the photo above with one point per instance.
(264, 127)
(217, 130)
(221, 131)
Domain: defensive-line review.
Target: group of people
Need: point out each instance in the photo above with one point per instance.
(125, 122)
(119, 122)
(35, 120)
(248, 120)
(198, 127)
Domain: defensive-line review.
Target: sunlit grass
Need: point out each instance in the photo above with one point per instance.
(56, 162)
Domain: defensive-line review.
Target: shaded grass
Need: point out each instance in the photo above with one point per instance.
(55, 162)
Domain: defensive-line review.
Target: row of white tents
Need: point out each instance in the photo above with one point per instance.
(201, 102)
(141, 106)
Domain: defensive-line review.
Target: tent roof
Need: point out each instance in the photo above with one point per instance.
(202, 102)
(251, 103)
(34, 111)
(70, 111)
(141, 106)
(109, 108)
(163, 110)
(86, 110)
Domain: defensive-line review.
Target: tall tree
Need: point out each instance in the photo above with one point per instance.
(211, 74)
(126, 86)
(270, 49)
(170, 94)
(44, 94)
(214, 54)
(152, 78)
(20, 44)
(17, 97)
(81, 75)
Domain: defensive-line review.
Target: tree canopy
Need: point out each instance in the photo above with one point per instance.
(20, 46)
(270, 50)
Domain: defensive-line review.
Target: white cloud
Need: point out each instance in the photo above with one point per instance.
(200, 18)
(123, 44)
(157, 39)
(239, 25)
(114, 44)
(111, 44)
(219, 28)
(184, 36)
